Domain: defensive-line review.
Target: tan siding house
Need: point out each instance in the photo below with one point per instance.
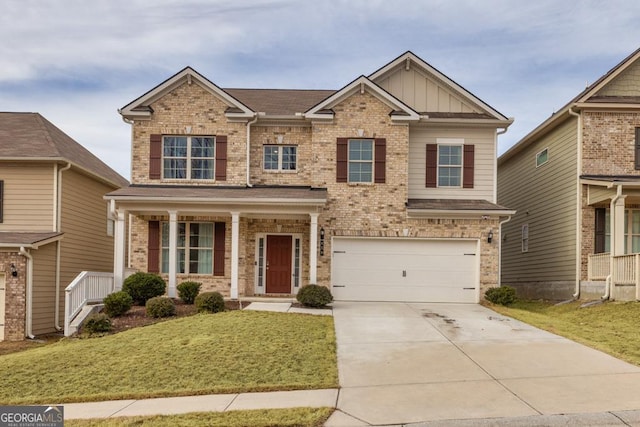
(53, 223)
(588, 156)
(383, 190)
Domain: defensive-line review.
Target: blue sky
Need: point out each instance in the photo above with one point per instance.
(76, 61)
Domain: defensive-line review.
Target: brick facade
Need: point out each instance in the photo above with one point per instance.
(609, 142)
(15, 295)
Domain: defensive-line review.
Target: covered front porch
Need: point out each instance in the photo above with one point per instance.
(236, 240)
(614, 257)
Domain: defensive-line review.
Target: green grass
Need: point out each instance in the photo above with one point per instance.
(231, 352)
(613, 327)
(303, 417)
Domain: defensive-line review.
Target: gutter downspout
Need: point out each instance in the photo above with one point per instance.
(500, 250)
(255, 119)
(58, 226)
(29, 294)
(576, 294)
(609, 283)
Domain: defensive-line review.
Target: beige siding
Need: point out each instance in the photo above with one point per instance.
(28, 196)
(85, 245)
(626, 84)
(485, 158)
(44, 289)
(424, 93)
(545, 199)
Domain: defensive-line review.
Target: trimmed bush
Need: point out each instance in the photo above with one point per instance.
(117, 303)
(188, 291)
(211, 302)
(160, 307)
(314, 296)
(504, 295)
(97, 324)
(144, 286)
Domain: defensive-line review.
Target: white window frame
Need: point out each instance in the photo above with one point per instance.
(628, 230)
(359, 161)
(186, 248)
(280, 156)
(189, 158)
(539, 155)
(260, 276)
(450, 142)
(525, 238)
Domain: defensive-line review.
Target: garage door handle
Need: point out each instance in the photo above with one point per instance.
(470, 254)
(404, 273)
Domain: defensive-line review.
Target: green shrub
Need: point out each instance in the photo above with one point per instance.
(144, 286)
(160, 307)
(188, 291)
(504, 295)
(314, 296)
(117, 303)
(97, 323)
(211, 302)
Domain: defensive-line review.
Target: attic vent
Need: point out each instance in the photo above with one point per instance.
(407, 64)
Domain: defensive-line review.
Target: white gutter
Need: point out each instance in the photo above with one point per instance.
(249, 123)
(576, 294)
(29, 293)
(58, 226)
(495, 165)
(500, 250)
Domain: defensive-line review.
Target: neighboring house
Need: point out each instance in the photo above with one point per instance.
(565, 179)
(384, 190)
(53, 221)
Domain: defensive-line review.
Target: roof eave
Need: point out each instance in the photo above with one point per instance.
(458, 213)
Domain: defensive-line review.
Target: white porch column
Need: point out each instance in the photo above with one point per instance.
(313, 249)
(617, 225)
(119, 238)
(173, 252)
(235, 252)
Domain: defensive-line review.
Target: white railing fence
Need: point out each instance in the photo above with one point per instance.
(87, 287)
(599, 266)
(624, 269)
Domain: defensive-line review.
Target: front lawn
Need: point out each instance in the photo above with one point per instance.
(612, 327)
(230, 352)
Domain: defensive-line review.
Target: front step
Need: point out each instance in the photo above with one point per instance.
(86, 311)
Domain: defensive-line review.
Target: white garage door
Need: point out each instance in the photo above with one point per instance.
(404, 270)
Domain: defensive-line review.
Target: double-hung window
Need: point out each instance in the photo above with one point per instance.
(188, 157)
(280, 157)
(194, 248)
(360, 160)
(449, 165)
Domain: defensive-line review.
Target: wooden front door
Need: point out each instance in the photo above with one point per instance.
(279, 264)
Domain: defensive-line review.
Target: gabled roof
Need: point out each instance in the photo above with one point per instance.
(15, 239)
(400, 110)
(141, 106)
(408, 59)
(29, 136)
(587, 97)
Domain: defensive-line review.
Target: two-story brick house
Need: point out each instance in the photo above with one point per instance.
(575, 183)
(383, 190)
(53, 222)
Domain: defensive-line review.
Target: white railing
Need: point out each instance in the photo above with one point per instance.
(87, 287)
(599, 266)
(624, 269)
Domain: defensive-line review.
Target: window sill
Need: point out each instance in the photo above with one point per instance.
(280, 171)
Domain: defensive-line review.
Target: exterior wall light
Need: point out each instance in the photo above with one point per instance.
(490, 236)
(321, 241)
(14, 270)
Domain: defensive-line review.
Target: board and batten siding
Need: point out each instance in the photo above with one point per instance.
(485, 158)
(44, 289)
(423, 93)
(545, 198)
(28, 196)
(85, 245)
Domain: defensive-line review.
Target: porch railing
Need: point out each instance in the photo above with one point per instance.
(625, 269)
(599, 266)
(87, 287)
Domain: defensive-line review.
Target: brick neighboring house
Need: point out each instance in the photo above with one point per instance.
(383, 190)
(564, 179)
(53, 221)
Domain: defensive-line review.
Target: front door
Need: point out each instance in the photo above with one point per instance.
(278, 264)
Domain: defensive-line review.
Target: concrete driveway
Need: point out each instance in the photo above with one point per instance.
(410, 362)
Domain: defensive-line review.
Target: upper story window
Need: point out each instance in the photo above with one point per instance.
(188, 157)
(280, 157)
(542, 157)
(449, 165)
(360, 160)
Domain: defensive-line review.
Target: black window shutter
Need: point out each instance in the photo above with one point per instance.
(600, 228)
(342, 160)
(218, 248)
(468, 166)
(637, 148)
(380, 160)
(155, 156)
(1, 198)
(221, 158)
(432, 166)
(153, 247)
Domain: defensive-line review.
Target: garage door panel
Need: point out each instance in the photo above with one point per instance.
(404, 270)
